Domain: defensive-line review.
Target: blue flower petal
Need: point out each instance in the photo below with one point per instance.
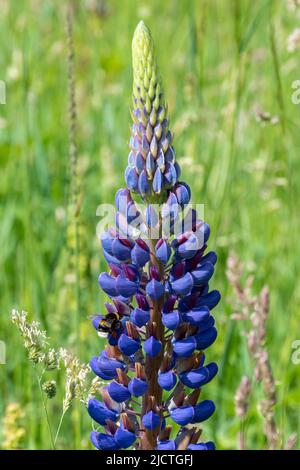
(184, 285)
(127, 345)
(143, 184)
(183, 415)
(203, 274)
(120, 250)
(157, 181)
(151, 420)
(166, 445)
(196, 316)
(140, 317)
(183, 193)
(209, 300)
(107, 241)
(106, 367)
(125, 287)
(196, 378)
(185, 347)
(124, 438)
(103, 441)
(206, 338)
(202, 446)
(171, 320)
(132, 179)
(152, 346)
(210, 257)
(100, 413)
(118, 392)
(203, 411)
(155, 289)
(163, 251)
(139, 255)
(108, 284)
(137, 387)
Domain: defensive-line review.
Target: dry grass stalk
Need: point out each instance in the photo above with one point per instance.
(254, 310)
(241, 408)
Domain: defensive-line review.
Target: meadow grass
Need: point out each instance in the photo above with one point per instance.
(223, 64)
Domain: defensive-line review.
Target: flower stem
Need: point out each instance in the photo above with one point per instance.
(152, 365)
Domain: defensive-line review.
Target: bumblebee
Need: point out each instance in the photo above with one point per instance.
(110, 324)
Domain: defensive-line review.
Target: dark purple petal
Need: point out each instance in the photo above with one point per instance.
(169, 304)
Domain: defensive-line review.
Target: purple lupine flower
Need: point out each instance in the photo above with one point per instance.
(158, 320)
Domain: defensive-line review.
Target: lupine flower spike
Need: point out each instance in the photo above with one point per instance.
(158, 321)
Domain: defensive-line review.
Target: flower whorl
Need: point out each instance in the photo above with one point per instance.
(158, 321)
(151, 162)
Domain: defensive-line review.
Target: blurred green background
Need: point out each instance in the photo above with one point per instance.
(225, 64)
